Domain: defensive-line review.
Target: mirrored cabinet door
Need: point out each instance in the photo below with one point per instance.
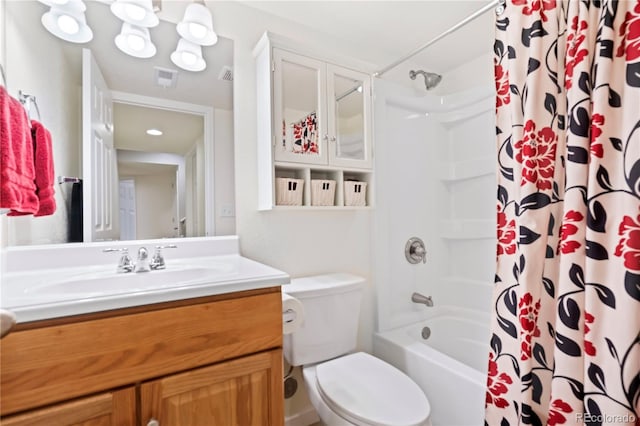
(299, 108)
(349, 113)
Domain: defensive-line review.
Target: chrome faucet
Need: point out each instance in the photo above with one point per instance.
(157, 261)
(419, 298)
(142, 264)
(125, 264)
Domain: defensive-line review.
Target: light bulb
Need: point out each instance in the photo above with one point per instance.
(189, 58)
(198, 31)
(135, 12)
(135, 42)
(154, 132)
(68, 25)
(359, 89)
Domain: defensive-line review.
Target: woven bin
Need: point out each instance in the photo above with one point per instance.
(323, 192)
(355, 193)
(289, 191)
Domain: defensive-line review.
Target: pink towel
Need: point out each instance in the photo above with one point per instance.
(17, 171)
(44, 169)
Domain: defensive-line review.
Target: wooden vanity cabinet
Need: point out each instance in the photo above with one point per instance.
(207, 361)
(107, 409)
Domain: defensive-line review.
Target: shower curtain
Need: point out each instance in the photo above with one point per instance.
(565, 344)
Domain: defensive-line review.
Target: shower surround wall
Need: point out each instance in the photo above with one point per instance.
(435, 173)
(435, 165)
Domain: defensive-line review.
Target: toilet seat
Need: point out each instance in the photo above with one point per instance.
(367, 391)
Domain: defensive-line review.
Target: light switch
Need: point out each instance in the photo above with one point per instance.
(227, 210)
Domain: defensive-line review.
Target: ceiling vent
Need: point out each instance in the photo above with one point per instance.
(165, 77)
(226, 73)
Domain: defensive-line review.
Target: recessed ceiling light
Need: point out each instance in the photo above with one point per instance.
(154, 132)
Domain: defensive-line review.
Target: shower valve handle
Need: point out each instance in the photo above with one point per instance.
(415, 251)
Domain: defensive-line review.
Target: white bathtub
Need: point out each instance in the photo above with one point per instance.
(450, 366)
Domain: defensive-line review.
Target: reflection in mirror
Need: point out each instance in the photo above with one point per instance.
(154, 169)
(166, 183)
(350, 123)
(300, 111)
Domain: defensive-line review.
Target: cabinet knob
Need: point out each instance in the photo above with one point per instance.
(332, 139)
(153, 422)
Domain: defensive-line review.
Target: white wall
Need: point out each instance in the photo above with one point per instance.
(3, 223)
(60, 114)
(473, 73)
(299, 242)
(224, 191)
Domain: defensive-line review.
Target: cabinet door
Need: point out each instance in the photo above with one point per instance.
(242, 392)
(108, 409)
(299, 87)
(349, 111)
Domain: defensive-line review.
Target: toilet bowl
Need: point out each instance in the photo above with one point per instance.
(347, 388)
(362, 390)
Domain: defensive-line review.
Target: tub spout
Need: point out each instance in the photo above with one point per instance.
(419, 298)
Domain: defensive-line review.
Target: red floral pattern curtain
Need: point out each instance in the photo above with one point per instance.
(565, 345)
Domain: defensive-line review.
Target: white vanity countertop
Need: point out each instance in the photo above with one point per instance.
(41, 294)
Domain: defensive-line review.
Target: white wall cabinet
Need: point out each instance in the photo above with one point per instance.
(314, 122)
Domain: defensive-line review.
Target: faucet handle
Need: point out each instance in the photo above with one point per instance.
(125, 264)
(415, 251)
(157, 262)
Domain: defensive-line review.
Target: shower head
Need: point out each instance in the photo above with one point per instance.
(431, 79)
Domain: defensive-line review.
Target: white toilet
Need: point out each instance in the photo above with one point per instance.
(347, 388)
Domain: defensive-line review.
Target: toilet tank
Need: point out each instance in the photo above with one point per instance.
(331, 315)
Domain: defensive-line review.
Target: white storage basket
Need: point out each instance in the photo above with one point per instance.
(289, 191)
(323, 192)
(355, 193)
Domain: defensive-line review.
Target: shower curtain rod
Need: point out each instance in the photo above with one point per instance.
(457, 26)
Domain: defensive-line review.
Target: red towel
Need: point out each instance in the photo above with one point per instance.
(44, 169)
(17, 171)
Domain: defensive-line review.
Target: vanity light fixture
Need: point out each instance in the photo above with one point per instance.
(154, 132)
(197, 25)
(188, 56)
(67, 20)
(135, 41)
(136, 12)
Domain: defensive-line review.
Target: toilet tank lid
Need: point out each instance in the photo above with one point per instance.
(323, 284)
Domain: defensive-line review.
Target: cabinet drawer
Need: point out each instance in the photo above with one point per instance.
(50, 364)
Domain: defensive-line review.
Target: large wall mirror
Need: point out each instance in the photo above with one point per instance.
(180, 183)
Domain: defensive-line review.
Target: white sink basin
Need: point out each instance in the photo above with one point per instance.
(46, 282)
(92, 284)
(104, 281)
